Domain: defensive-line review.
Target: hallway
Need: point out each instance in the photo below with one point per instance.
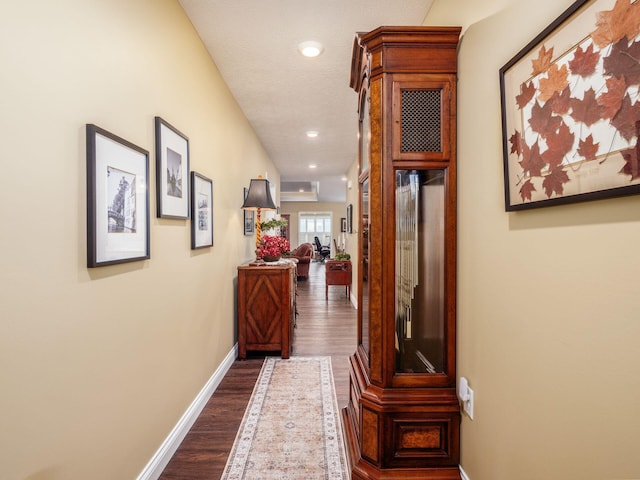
(324, 327)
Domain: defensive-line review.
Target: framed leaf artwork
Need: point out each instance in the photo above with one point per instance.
(571, 108)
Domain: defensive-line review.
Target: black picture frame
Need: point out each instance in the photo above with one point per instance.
(343, 224)
(570, 125)
(350, 218)
(248, 217)
(172, 171)
(201, 211)
(117, 199)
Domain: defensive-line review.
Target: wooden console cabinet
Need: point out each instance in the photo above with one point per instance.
(266, 308)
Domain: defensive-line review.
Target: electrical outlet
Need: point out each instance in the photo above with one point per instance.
(466, 397)
(467, 403)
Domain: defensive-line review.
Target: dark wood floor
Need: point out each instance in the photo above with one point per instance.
(324, 327)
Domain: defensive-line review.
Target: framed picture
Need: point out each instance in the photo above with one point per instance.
(117, 199)
(172, 171)
(202, 211)
(570, 109)
(249, 217)
(343, 224)
(350, 218)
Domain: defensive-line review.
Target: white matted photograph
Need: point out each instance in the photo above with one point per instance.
(117, 199)
(201, 211)
(249, 216)
(172, 171)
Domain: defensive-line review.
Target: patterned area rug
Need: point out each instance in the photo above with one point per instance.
(291, 429)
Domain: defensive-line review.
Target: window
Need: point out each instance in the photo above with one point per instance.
(314, 224)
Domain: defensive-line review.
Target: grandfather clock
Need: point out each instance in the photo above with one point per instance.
(403, 417)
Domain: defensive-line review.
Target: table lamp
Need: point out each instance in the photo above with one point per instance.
(258, 198)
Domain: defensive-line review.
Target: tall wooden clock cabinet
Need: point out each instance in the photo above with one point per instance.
(403, 416)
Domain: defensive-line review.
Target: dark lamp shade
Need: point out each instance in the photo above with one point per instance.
(259, 195)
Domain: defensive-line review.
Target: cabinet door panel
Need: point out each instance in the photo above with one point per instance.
(421, 115)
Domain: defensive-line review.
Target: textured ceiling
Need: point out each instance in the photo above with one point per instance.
(283, 94)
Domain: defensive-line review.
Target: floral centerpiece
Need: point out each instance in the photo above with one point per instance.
(272, 247)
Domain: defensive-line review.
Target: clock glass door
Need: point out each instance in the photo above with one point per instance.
(420, 300)
(364, 266)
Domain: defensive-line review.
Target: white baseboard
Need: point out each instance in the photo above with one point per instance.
(463, 474)
(160, 459)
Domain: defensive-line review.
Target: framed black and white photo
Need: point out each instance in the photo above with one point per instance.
(343, 224)
(201, 211)
(172, 171)
(117, 199)
(249, 217)
(350, 218)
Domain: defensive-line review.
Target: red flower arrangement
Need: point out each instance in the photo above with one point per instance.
(273, 246)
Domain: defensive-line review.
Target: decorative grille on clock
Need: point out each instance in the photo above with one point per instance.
(421, 121)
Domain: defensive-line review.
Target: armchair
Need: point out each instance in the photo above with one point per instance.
(303, 253)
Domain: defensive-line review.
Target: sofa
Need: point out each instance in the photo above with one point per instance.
(303, 253)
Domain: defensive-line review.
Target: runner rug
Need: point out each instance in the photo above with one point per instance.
(291, 429)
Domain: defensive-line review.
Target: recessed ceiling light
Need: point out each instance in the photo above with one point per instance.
(310, 48)
(344, 179)
(312, 134)
(313, 165)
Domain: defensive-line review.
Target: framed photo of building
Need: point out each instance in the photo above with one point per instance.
(172, 171)
(249, 217)
(117, 199)
(201, 211)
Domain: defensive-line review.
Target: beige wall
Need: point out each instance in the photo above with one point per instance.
(98, 365)
(548, 298)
